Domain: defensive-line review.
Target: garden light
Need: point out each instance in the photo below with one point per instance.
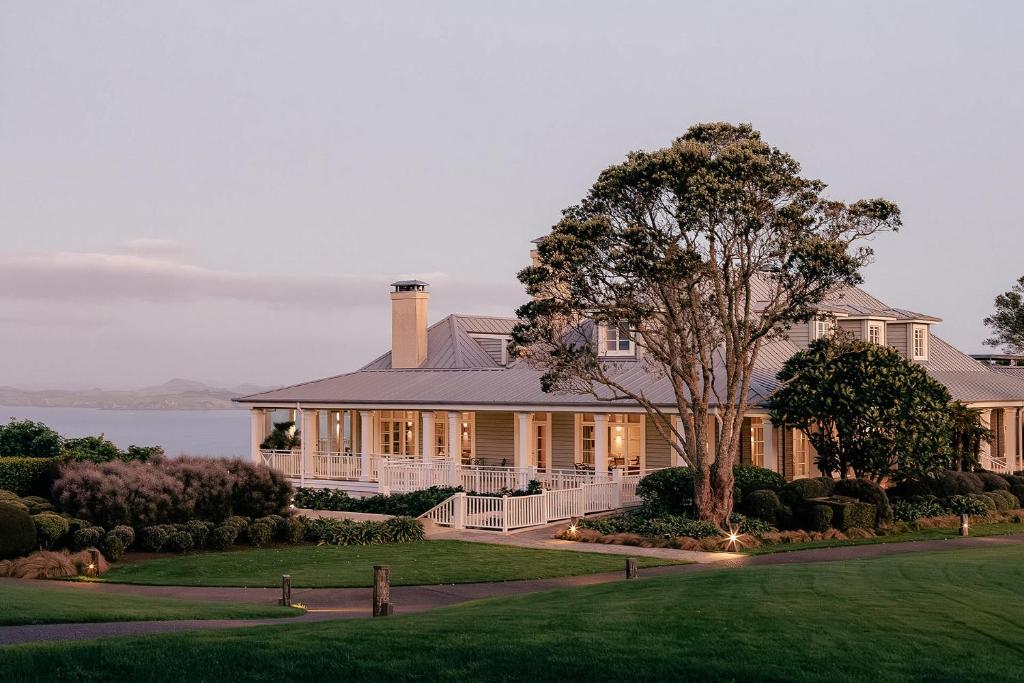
(733, 539)
(964, 525)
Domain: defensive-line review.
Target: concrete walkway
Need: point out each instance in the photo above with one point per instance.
(350, 603)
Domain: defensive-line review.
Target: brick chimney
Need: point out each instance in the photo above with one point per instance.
(409, 300)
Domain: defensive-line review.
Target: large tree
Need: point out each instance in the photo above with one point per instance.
(700, 253)
(1007, 322)
(865, 408)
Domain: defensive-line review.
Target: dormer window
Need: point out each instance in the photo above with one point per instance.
(876, 332)
(822, 327)
(617, 340)
(920, 342)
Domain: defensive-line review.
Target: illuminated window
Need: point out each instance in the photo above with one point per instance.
(467, 436)
(625, 440)
(398, 432)
(757, 443)
(801, 454)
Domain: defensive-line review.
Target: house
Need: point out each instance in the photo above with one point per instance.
(447, 403)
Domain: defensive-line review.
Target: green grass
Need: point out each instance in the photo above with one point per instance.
(953, 615)
(908, 537)
(39, 602)
(426, 563)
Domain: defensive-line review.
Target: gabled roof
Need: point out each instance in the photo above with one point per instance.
(451, 346)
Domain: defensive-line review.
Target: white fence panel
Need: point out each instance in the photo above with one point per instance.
(601, 497)
(335, 466)
(629, 483)
(565, 504)
(484, 512)
(289, 463)
(524, 511)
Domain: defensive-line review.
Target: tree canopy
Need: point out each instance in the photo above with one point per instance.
(699, 254)
(865, 408)
(1007, 322)
(26, 438)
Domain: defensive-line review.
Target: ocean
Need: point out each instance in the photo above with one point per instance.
(208, 433)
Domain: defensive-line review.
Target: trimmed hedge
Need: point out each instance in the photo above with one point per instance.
(853, 515)
(763, 504)
(17, 532)
(866, 491)
(663, 526)
(750, 478)
(346, 532)
(51, 530)
(992, 481)
(28, 476)
(818, 517)
(412, 504)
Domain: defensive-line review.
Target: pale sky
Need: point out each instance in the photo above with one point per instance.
(222, 190)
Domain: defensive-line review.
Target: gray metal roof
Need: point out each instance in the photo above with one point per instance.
(459, 371)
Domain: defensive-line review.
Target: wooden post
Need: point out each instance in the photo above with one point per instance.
(381, 590)
(631, 568)
(964, 524)
(286, 590)
(94, 562)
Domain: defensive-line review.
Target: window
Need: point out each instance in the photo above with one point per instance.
(588, 443)
(822, 327)
(920, 342)
(801, 454)
(757, 442)
(398, 432)
(467, 437)
(625, 439)
(617, 340)
(875, 333)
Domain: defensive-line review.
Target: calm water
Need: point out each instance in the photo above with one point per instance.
(212, 433)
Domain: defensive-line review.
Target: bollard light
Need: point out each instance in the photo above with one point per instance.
(965, 525)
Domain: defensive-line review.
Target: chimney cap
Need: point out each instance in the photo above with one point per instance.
(410, 285)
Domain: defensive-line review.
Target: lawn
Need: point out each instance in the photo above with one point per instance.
(41, 602)
(908, 537)
(425, 563)
(948, 615)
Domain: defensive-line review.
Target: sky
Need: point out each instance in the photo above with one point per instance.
(223, 191)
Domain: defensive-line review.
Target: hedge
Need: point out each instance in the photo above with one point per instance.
(853, 515)
(17, 532)
(412, 504)
(28, 476)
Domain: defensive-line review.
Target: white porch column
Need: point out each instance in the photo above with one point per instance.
(1010, 431)
(455, 436)
(985, 454)
(677, 439)
(256, 433)
(523, 431)
(428, 436)
(310, 437)
(1019, 436)
(770, 460)
(601, 444)
(365, 443)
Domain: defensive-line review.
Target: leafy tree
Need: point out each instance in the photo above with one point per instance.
(864, 408)
(1007, 322)
(92, 448)
(29, 439)
(283, 437)
(968, 433)
(700, 253)
(142, 453)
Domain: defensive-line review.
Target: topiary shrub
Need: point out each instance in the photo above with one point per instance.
(1012, 501)
(852, 514)
(827, 483)
(222, 537)
(817, 517)
(125, 533)
(260, 534)
(750, 478)
(763, 504)
(179, 542)
(866, 491)
(51, 530)
(965, 505)
(88, 537)
(113, 546)
(296, 529)
(277, 523)
(967, 483)
(910, 509)
(17, 532)
(669, 490)
(1000, 503)
(26, 476)
(154, 537)
(990, 505)
(992, 481)
(37, 504)
(799, 490)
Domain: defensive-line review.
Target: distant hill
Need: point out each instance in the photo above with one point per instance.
(177, 394)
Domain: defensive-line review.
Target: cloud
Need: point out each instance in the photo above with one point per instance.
(152, 270)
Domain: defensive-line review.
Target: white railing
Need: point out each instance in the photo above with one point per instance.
(327, 465)
(289, 463)
(629, 483)
(507, 513)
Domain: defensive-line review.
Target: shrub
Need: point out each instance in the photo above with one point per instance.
(277, 524)
(1018, 491)
(827, 483)
(853, 515)
(297, 529)
(988, 502)
(910, 509)
(967, 482)
(763, 504)
(17, 532)
(1001, 504)
(222, 537)
(26, 476)
(180, 542)
(412, 504)
(88, 537)
(800, 490)
(992, 481)
(260, 534)
(51, 530)
(866, 491)
(662, 526)
(26, 438)
(92, 448)
(154, 537)
(347, 532)
(751, 478)
(125, 533)
(199, 531)
(37, 504)
(165, 491)
(670, 490)
(113, 546)
(817, 517)
(750, 525)
(1012, 501)
(965, 505)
